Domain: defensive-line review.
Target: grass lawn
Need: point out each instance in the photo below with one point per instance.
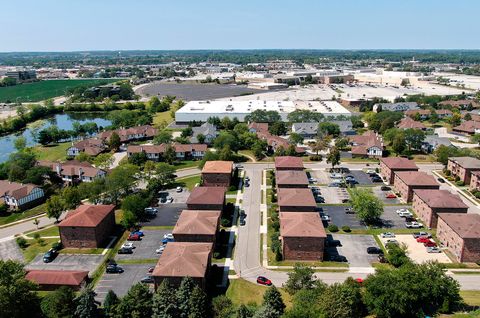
(50, 231)
(34, 248)
(188, 182)
(160, 117)
(9, 218)
(138, 261)
(158, 227)
(186, 164)
(471, 297)
(231, 200)
(241, 291)
(81, 251)
(52, 153)
(38, 91)
(248, 154)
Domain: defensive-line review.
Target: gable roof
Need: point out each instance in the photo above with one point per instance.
(181, 259)
(87, 215)
(15, 189)
(408, 122)
(399, 163)
(305, 128)
(207, 195)
(301, 224)
(218, 166)
(296, 197)
(466, 162)
(468, 126)
(57, 277)
(440, 199)
(259, 127)
(465, 225)
(197, 222)
(286, 162)
(416, 178)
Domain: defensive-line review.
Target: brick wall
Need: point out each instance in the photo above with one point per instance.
(386, 172)
(88, 237)
(474, 182)
(406, 191)
(216, 179)
(450, 239)
(303, 248)
(471, 250)
(424, 212)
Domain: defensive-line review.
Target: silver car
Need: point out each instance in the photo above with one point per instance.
(387, 235)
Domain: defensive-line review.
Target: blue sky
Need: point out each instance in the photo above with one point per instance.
(73, 25)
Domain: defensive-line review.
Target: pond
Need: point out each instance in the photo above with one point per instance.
(63, 121)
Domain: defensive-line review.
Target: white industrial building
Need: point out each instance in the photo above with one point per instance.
(202, 110)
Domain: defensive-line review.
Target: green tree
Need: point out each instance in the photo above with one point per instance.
(138, 158)
(414, 138)
(183, 296)
(71, 197)
(302, 277)
(278, 128)
(114, 142)
(433, 117)
(273, 299)
(201, 138)
(17, 295)
(258, 149)
(295, 138)
(136, 204)
(129, 219)
(170, 155)
(342, 143)
(397, 255)
(222, 307)
(327, 128)
(163, 137)
(244, 312)
(110, 304)
(475, 138)
(164, 302)
(120, 180)
(103, 161)
(467, 116)
(333, 157)
(59, 304)
(20, 143)
(455, 120)
(398, 143)
(187, 132)
(137, 303)
(342, 300)
(367, 206)
(198, 304)
(226, 138)
(54, 207)
(86, 305)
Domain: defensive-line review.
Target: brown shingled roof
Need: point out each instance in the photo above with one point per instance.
(15, 189)
(288, 162)
(207, 195)
(294, 177)
(399, 163)
(295, 197)
(465, 225)
(416, 178)
(301, 224)
(466, 162)
(182, 259)
(408, 122)
(197, 222)
(87, 215)
(57, 277)
(440, 198)
(218, 166)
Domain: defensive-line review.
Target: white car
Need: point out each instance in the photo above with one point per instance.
(414, 225)
(179, 189)
(391, 242)
(160, 250)
(127, 245)
(370, 171)
(433, 249)
(168, 236)
(405, 214)
(169, 200)
(325, 218)
(387, 235)
(402, 211)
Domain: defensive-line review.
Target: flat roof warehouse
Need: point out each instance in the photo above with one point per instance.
(202, 110)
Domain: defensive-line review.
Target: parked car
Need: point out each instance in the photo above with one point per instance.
(247, 178)
(433, 249)
(168, 236)
(349, 211)
(150, 269)
(160, 249)
(387, 235)
(134, 237)
(163, 200)
(419, 234)
(370, 172)
(403, 210)
(167, 240)
(137, 232)
(385, 188)
(124, 250)
(50, 255)
(430, 244)
(247, 184)
(405, 214)
(377, 179)
(441, 180)
(345, 200)
(390, 196)
(312, 180)
(113, 269)
(334, 243)
(264, 281)
(151, 211)
(391, 242)
(319, 200)
(410, 219)
(374, 250)
(127, 245)
(413, 225)
(147, 280)
(242, 221)
(423, 239)
(325, 218)
(169, 200)
(337, 258)
(179, 189)
(381, 258)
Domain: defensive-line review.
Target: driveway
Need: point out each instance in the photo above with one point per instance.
(117, 157)
(354, 248)
(82, 262)
(145, 249)
(9, 250)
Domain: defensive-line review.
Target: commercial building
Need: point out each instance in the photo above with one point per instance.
(303, 236)
(427, 204)
(206, 198)
(460, 233)
(89, 226)
(197, 226)
(184, 259)
(390, 165)
(20, 196)
(288, 163)
(462, 167)
(217, 173)
(53, 279)
(291, 179)
(22, 75)
(395, 107)
(407, 181)
(296, 200)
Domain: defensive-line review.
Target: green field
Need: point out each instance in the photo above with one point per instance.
(38, 91)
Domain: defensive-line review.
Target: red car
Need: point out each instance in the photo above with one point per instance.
(264, 281)
(423, 240)
(134, 237)
(430, 244)
(391, 196)
(359, 280)
(151, 269)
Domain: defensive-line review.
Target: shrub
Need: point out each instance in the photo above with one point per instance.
(315, 158)
(273, 197)
(216, 255)
(36, 236)
(332, 228)
(276, 225)
(22, 243)
(232, 188)
(447, 172)
(460, 183)
(457, 178)
(278, 255)
(477, 195)
(225, 222)
(346, 228)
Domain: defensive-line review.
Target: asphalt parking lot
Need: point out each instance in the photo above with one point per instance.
(354, 248)
(334, 195)
(168, 213)
(9, 250)
(79, 262)
(321, 176)
(121, 283)
(361, 177)
(145, 249)
(417, 251)
(340, 218)
(381, 195)
(390, 218)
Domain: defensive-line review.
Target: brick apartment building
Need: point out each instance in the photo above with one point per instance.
(427, 204)
(53, 279)
(407, 181)
(463, 167)
(89, 226)
(217, 173)
(184, 259)
(291, 179)
(296, 200)
(461, 234)
(288, 163)
(303, 236)
(390, 165)
(206, 198)
(197, 226)
(475, 181)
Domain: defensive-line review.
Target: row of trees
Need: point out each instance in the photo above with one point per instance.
(404, 141)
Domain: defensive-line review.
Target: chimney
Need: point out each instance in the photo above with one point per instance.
(80, 171)
(59, 168)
